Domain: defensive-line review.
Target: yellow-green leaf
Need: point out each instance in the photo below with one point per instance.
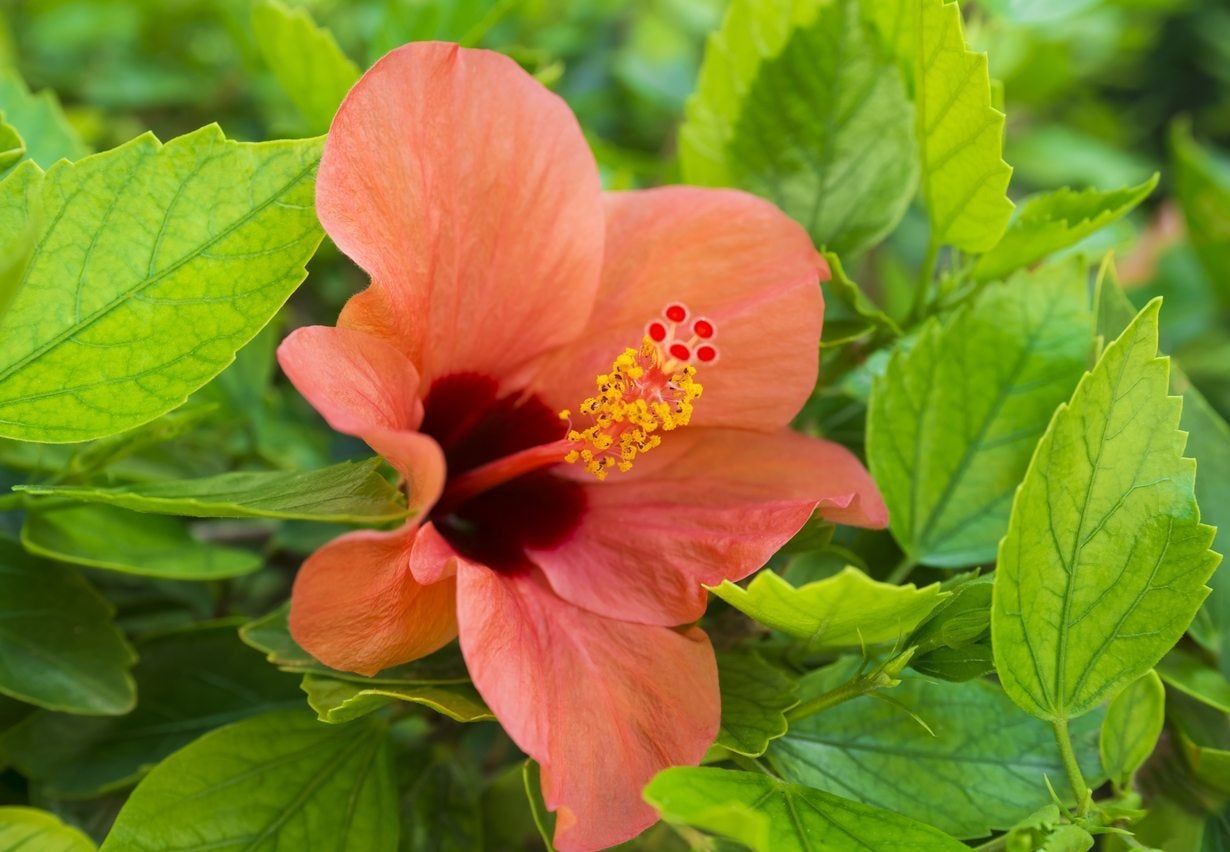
(154, 264)
(1105, 560)
(960, 135)
(1133, 724)
(844, 611)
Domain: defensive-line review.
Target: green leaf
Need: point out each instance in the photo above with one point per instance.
(38, 831)
(154, 264)
(1185, 671)
(305, 59)
(1209, 443)
(959, 621)
(1050, 221)
(544, 820)
(59, 648)
(755, 698)
(281, 780)
(845, 611)
(39, 119)
(767, 814)
(956, 664)
(982, 768)
(1204, 739)
(1133, 724)
(12, 146)
(190, 682)
(440, 807)
(960, 135)
(1202, 186)
(20, 222)
(798, 102)
(856, 300)
(131, 542)
(350, 492)
(336, 701)
(953, 420)
(1105, 560)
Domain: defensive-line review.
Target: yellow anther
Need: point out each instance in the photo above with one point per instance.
(642, 394)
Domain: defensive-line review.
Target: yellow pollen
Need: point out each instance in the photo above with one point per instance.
(642, 396)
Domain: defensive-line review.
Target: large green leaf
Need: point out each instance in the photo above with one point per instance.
(1208, 443)
(769, 815)
(1133, 724)
(798, 102)
(755, 698)
(131, 542)
(39, 119)
(189, 682)
(32, 830)
(277, 781)
(1202, 185)
(1051, 221)
(58, 646)
(1104, 563)
(983, 765)
(845, 611)
(350, 492)
(305, 59)
(338, 701)
(153, 265)
(960, 135)
(954, 418)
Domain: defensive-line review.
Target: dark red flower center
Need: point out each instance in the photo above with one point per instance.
(475, 426)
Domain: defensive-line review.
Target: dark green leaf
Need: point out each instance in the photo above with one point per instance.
(58, 646)
(277, 781)
(131, 542)
(189, 682)
(1203, 190)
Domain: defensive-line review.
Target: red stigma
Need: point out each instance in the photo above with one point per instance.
(657, 332)
(706, 353)
(703, 328)
(676, 313)
(680, 352)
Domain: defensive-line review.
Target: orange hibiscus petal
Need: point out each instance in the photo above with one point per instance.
(362, 386)
(601, 704)
(356, 607)
(707, 506)
(730, 258)
(468, 193)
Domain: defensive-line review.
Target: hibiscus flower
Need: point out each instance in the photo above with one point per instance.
(587, 395)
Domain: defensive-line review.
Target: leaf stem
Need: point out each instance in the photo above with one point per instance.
(926, 275)
(751, 764)
(853, 688)
(901, 570)
(1075, 778)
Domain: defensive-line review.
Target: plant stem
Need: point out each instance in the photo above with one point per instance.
(923, 288)
(850, 689)
(1075, 778)
(901, 570)
(751, 764)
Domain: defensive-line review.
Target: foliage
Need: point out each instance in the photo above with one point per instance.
(1025, 211)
